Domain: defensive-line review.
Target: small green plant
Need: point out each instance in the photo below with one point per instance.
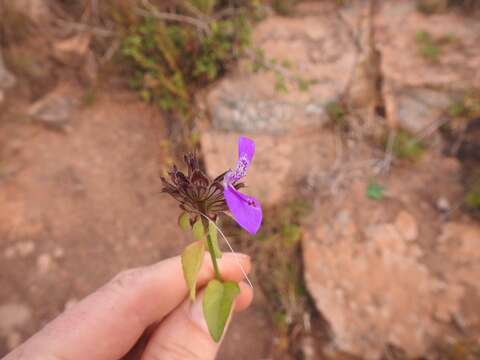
(472, 197)
(464, 348)
(280, 85)
(428, 48)
(405, 146)
(375, 191)
(468, 106)
(337, 112)
(89, 97)
(283, 71)
(457, 109)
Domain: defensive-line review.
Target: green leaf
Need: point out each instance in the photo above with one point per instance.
(192, 258)
(291, 234)
(217, 305)
(198, 230)
(205, 6)
(212, 231)
(375, 191)
(184, 221)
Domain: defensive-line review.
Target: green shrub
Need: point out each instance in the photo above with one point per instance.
(428, 48)
(284, 7)
(472, 197)
(468, 106)
(375, 191)
(405, 146)
(167, 61)
(337, 112)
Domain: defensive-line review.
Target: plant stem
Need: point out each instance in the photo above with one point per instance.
(211, 250)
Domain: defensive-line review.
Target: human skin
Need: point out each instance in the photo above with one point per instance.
(142, 313)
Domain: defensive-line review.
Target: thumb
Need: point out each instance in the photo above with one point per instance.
(184, 333)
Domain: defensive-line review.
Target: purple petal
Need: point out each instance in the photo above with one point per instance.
(245, 209)
(246, 148)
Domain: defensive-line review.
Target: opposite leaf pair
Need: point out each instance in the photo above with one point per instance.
(219, 296)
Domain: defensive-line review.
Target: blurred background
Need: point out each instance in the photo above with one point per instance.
(366, 115)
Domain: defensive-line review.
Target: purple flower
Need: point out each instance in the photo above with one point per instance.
(200, 195)
(245, 209)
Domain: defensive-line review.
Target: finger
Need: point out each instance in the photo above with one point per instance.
(184, 333)
(124, 307)
(242, 302)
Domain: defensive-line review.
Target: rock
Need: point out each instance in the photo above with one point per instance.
(318, 49)
(417, 109)
(378, 283)
(292, 146)
(25, 248)
(417, 88)
(443, 204)
(53, 109)
(460, 244)
(21, 248)
(279, 164)
(44, 263)
(58, 252)
(377, 280)
(407, 226)
(72, 51)
(13, 316)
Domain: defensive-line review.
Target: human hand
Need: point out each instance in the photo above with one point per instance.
(142, 313)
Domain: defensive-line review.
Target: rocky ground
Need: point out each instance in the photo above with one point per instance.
(393, 274)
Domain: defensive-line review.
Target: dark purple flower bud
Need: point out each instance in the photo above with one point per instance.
(196, 192)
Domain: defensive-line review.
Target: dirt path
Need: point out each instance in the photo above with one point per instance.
(78, 206)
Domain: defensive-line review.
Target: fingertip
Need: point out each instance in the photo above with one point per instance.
(245, 298)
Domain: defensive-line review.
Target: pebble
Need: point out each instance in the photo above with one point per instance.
(25, 248)
(22, 249)
(443, 204)
(44, 262)
(406, 226)
(58, 253)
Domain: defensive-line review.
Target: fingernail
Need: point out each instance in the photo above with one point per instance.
(196, 314)
(238, 255)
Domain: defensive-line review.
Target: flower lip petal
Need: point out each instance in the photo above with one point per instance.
(245, 209)
(246, 148)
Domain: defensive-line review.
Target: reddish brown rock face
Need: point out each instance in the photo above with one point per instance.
(392, 271)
